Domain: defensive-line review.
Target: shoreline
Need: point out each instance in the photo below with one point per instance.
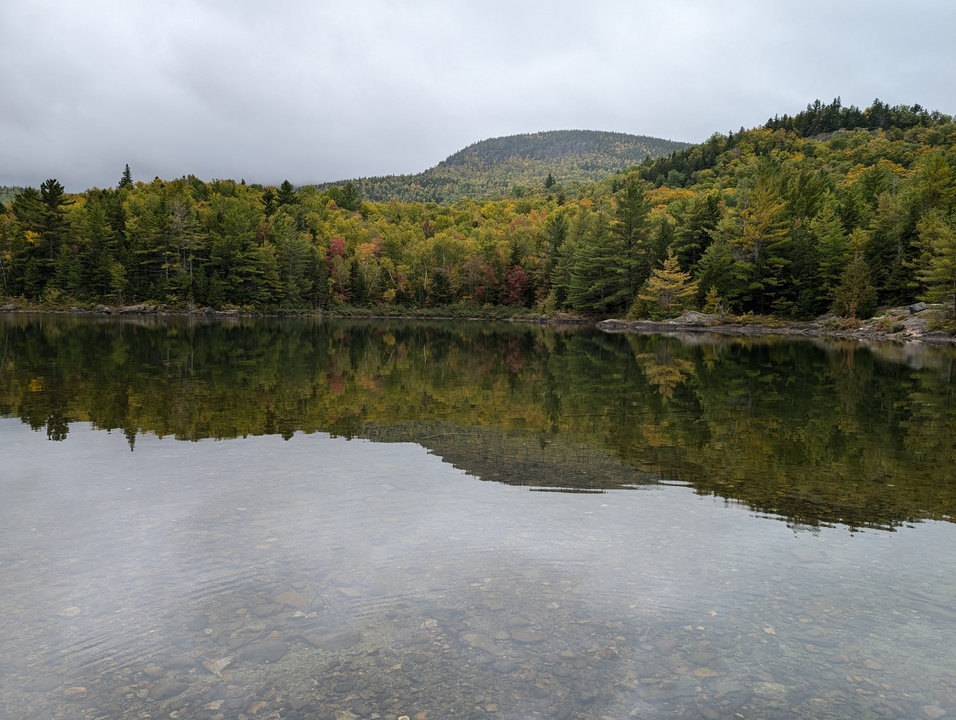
(905, 325)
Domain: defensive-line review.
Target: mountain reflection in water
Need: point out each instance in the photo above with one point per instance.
(814, 433)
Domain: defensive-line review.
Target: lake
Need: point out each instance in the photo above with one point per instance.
(240, 518)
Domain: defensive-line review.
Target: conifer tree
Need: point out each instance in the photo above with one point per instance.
(126, 180)
(630, 228)
(599, 280)
(855, 296)
(937, 266)
(712, 301)
(668, 290)
(286, 194)
(827, 230)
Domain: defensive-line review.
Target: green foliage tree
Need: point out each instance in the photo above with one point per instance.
(630, 228)
(439, 288)
(720, 270)
(697, 222)
(937, 267)
(348, 196)
(889, 249)
(599, 279)
(44, 224)
(286, 194)
(827, 231)
(126, 180)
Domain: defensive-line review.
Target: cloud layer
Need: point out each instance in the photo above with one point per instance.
(318, 91)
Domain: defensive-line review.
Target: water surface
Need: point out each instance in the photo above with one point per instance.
(355, 526)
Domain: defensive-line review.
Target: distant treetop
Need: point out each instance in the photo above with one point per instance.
(818, 118)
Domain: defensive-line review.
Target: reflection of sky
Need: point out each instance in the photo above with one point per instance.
(131, 539)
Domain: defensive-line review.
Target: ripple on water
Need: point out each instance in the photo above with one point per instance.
(298, 595)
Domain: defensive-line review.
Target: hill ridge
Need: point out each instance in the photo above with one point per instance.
(512, 164)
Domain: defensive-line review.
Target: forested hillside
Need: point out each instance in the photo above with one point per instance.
(561, 160)
(7, 193)
(769, 221)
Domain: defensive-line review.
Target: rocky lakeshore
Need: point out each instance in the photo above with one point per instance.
(910, 324)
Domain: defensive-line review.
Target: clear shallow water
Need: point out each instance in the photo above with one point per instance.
(320, 577)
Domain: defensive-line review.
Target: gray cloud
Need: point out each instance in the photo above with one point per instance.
(316, 91)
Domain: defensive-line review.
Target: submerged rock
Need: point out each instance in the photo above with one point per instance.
(44, 684)
(167, 688)
(268, 651)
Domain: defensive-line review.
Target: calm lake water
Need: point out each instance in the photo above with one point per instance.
(305, 519)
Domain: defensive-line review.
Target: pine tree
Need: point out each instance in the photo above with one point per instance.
(937, 268)
(348, 196)
(630, 227)
(126, 180)
(598, 279)
(827, 229)
(286, 194)
(721, 271)
(696, 228)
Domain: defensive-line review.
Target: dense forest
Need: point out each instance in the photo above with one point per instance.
(515, 165)
(830, 210)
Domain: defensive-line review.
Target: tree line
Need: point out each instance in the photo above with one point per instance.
(768, 221)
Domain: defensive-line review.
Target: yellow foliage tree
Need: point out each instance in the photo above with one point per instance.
(667, 292)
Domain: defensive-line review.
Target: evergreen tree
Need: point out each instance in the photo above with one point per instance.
(696, 228)
(348, 196)
(599, 281)
(630, 228)
(937, 267)
(889, 252)
(358, 292)
(555, 233)
(439, 288)
(42, 219)
(286, 195)
(269, 202)
(127, 178)
(94, 232)
(827, 231)
(720, 270)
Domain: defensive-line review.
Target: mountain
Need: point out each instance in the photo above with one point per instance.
(8, 192)
(515, 164)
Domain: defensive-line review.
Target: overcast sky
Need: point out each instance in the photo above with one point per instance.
(313, 91)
